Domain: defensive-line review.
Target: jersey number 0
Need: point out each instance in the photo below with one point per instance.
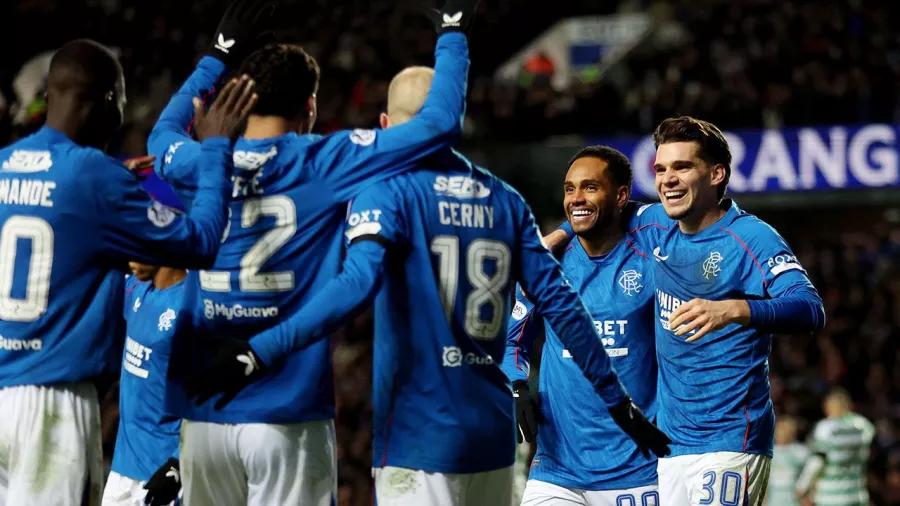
(37, 286)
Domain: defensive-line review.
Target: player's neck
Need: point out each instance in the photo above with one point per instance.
(602, 241)
(167, 277)
(266, 127)
(68, 119)
(700, 221)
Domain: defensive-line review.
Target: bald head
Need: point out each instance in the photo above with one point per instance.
(837, 403)
(407, 93)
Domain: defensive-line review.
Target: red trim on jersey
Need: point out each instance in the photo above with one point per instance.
(519, 338)
(654, 224)
(630, 245)
(570, 246)
(762, 271)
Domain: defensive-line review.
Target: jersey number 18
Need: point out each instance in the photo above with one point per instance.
(486, 288)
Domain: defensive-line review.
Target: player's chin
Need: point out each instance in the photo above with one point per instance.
(677, 211)
(583, 225)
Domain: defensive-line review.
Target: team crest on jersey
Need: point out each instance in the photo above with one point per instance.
(137, 304)
(711, 265)
(166, 319)
(630, 282)
(362, 137)
(160, 215)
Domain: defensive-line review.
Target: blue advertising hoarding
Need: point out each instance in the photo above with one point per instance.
(791, 159)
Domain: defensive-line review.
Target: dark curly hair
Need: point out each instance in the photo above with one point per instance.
(286, 76)
(617, 164)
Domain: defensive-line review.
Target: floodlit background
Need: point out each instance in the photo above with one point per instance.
(806, 90)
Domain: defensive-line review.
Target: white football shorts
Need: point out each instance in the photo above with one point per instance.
(719, 478)
(541, 493)
(255, 464)
(396, 486)
(124, 491)
(52, 449)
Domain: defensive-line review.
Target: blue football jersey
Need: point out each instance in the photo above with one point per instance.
(70, 218)
(457, 240)
(714, 393)
(147, 435)
(283, 242)
(579, 446)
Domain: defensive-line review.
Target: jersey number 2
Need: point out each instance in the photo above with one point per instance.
(250, 279)
(37, 286)
(487, 289)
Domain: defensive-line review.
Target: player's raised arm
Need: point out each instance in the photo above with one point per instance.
(136, 228)
(242, 29)
(554, 299)
(786, 301)
(430, 122)
(520, 336)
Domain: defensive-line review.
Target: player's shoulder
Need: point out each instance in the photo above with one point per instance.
(639, 216)
(749, 226)
(823, 429)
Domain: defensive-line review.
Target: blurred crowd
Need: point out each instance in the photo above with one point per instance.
(738, 63)
(853, 258)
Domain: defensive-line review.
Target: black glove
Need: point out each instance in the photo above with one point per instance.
(527, 412)
(454, 16)
(163, 486)
(245, 26)
(234, 366)
(631, 420)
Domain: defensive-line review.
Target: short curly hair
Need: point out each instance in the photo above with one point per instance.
(617, 164)
(285, 75)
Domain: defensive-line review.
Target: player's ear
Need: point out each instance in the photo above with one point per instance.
(717, 174)
(384, 120)
(623, 193)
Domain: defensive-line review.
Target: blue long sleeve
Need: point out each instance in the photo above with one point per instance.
(343, 297)
(524, 326)
(351, 161)
(554, 298)
(170, 140)
(799, 311)
(137, 229)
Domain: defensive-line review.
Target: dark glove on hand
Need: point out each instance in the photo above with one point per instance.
(454, 16)
(527, 412)
(245, 26)
(633, 422)
(162, 488)
(234, 366)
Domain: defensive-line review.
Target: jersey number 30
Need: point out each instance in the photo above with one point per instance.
(37, 287)
(486, 289)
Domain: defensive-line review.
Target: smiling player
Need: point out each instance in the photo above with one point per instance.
(601, 466)
(725, 282)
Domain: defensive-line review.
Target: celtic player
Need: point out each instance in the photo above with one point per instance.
(787, 462)
(836, 473)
